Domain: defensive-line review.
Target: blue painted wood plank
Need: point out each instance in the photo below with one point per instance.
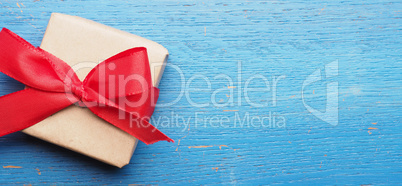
(231, 45)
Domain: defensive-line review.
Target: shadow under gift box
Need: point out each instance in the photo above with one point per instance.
(81, 42)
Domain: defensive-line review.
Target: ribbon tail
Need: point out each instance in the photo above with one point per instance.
(132, 124)
(27, 107)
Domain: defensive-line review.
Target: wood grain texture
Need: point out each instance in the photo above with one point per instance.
(211, 38)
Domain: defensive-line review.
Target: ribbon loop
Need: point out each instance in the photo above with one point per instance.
(124, 72)
(26, 64)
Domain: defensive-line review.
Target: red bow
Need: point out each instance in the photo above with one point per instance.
(118, 90)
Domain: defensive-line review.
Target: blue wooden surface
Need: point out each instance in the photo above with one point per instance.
(211, 38)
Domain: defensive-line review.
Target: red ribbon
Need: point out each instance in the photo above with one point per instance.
(118, 90)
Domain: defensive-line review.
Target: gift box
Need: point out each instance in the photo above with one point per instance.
(81, 43)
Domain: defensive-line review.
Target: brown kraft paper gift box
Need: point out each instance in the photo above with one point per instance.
(80, 42)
